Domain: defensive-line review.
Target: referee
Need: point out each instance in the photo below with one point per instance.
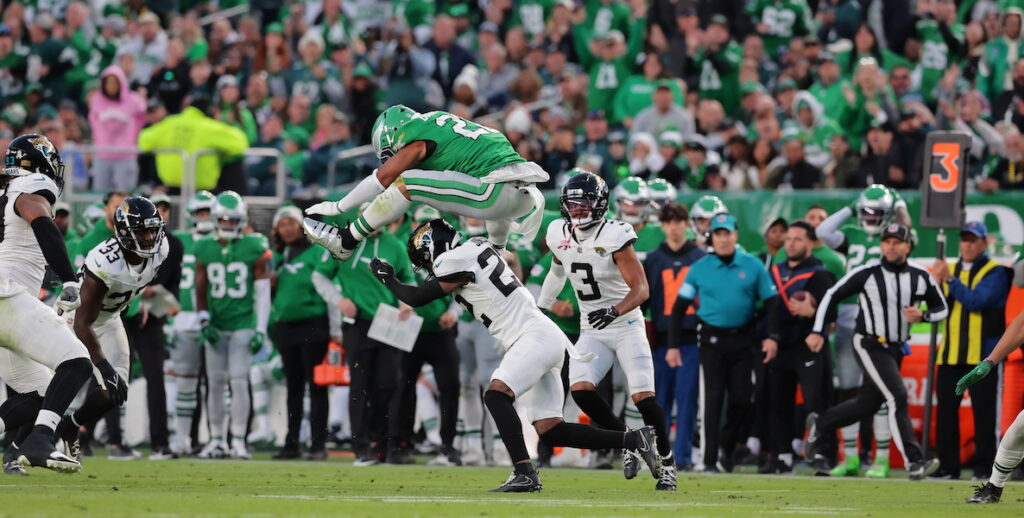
(890, 291)
(728, 283)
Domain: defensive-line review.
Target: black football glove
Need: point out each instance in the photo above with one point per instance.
(115, 385)
(382, 270)
(600, 318)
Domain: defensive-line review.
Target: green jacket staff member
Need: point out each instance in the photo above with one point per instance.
(728, 284)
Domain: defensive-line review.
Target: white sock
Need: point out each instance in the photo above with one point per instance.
(849, 433)
(883, 434)
(48, 418)
(384, 209)
(787, 459)
(1010, 453)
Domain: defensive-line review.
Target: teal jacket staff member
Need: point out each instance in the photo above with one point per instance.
(726, 285)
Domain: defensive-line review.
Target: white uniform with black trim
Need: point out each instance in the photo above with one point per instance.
(587, 259)
(33, 339)
(534, 346)
(106, 264)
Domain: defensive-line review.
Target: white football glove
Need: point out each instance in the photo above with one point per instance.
(69, 299)
(324, 208)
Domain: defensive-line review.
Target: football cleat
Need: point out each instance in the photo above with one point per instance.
(327, 236)
(922, 468)
(667, 477)
(11, 464)
(38, 451)
(811, 443)
(880, 469)
(287, 453)
(819, 465)
(122, 452)
(162, 454)
(446, 457)
(849, 468)
(364, 460)
(474, 457)
(984, 494)
(602, 459)
(318, 454)
(519, 483)
(213, 450)
(262, 437)
(630, 463)
(648, 452)
(239, 450)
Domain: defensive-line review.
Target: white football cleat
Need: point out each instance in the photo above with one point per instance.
(327, 236)
(239, 451)
(213, 450)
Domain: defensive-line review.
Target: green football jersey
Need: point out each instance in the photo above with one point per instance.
(859, 247)
(186, 288)
(785, 20)
(569, 325)
(532, 16)
(458, 144)
(229, 273)
(935, 54)
(648, 239)
(358, 282)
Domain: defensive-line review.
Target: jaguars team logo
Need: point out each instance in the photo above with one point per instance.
(600, 251)
(423, 237)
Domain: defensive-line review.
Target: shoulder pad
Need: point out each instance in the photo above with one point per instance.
(32, 183)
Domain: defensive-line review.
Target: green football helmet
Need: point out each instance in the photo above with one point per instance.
(660, 192)
(386, 127)
(231, 215)
(876, 207)
(702, 212)
(631, 200)
(202, 201)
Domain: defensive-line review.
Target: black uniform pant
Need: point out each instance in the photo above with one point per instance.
(302, 345)
(439, 350)
(375, 370)
(796, 365)
(983, 406)
(726, 363)
(882, 383)
(147, 340)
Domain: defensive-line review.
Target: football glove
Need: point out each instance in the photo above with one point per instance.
(114, 384)
(381, 269)
(600, 318)
(210, 334)
(256, 342)
(324, 208)
(69, 299)
(980, 371)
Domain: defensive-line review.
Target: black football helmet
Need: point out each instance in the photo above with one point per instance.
(31, 154)
(138, 226)
(584, 192)
(431, 239)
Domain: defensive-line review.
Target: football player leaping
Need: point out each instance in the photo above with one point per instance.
(33, 339)
(534, 346)
(598, 257)
(444, 161)
(115, 272)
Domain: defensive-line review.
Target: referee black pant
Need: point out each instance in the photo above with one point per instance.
(439, 350)
(148, 342)
(795, 365)
(726, 366)
(374, 371)
(947, 419)
(882, 384)
(302, 345)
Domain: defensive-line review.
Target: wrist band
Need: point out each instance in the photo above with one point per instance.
(989, 361)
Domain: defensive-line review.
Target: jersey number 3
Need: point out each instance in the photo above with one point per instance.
(588, 279)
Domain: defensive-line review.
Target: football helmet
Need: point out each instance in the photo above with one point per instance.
(31, 154)
(703, 210)
(230, 214)
(631, 199)
(201, 223)
(138, 227)
(385, 128)
(660, 192)
(876, 207)
(584, 200)
(429, 240)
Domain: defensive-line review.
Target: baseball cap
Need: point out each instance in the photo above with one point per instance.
(158, 197)
(275, 28)
(750, 87)
(975, 227)
(897, 230)
(726, 221)
(719, 19)
(776, 222)
(595, 114)
(362, 70)
(61, 206)
(686, 10)
(5, 30)
(489, 27)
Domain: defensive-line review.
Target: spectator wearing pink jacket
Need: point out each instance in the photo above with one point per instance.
(116, 116)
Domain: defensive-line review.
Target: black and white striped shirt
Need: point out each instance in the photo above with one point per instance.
(884, 290)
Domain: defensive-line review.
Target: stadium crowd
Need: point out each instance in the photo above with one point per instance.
(688, 95)
(724, 95)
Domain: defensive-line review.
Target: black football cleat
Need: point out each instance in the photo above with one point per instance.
(647, 450)
(986, 494)
(38, 451)
(519, 483)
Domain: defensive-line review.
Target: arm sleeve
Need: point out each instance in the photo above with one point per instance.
(819, 284)
(553, 283)
(675, 323)
(331, 293)
(772, 307)
(51, 242)
(828, 231)
(365, 191)
(416, 296)
(938, 310)
(262, 289)
(990, 292)
(846, 286)
(169, 274)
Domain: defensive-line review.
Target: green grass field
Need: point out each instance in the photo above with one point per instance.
(336, 488)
